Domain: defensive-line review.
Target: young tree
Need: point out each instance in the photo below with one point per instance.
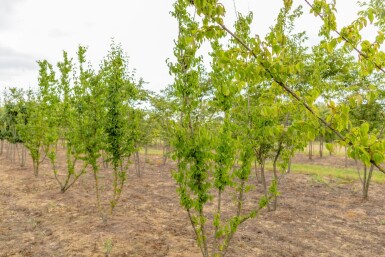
(206, 154)
(164, 114)
(121, 124)
(14, 109)
(248, 61)
(66, 116)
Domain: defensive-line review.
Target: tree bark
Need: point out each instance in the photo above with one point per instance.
(311, 150)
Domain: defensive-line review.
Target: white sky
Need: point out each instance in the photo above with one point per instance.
(32, 30)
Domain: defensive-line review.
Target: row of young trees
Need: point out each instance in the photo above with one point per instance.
(93, 115)
(260, 100)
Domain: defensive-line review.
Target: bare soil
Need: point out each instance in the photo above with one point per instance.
(312, 219)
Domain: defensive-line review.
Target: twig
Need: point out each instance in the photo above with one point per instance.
(345, 39)
(293, 94)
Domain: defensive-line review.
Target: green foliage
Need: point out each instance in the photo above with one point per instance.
(208, 142)
(85, 112)
(264, 97)
(121, 123)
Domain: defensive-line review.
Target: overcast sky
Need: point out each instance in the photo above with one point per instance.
(32, 30)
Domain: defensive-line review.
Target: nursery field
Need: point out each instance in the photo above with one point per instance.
(262, 137)
(316, 216)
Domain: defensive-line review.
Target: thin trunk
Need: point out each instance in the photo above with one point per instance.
(275, 173)
(8, 150)
(346, 157)
(257, 173)
(276, 180)
(36, 167)
(310, 150)
(203, 231)
(239, 210)
(358, 171)
(321, 147)
(113, 201)
(104, 160)
(15, 152)
(164, 156)
(367, 179)
(216, 243)
(23, 155)
(101, 210)
(119, 179)
(71, 174)
(195, 231)
(145, 157)
(137, 164)
(115, 186)
(18, 153)
(262, 165)
(289, 165)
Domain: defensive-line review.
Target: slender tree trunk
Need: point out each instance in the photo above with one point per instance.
(104, 159)
(276, 180)
(145, 156)
(102, 212)
(257, 173)
(14, 152)
(275, 172)
(165, 153)
(35, 167)
(346, 157)
(8, 150)
(289, 165)
(321, 147)
(9, 154)
(23, 153)
(17, 152)
(311, 150)
(367, 178)
(263, 177)
(119, 179)
(358, 171)
(137, 163)
(216, 243)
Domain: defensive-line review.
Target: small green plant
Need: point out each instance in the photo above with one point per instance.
(108, 245)
(318, 179)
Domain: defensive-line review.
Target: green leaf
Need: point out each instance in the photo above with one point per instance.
(378, 157)
(364, 128)
(330, 147)
(370, 15)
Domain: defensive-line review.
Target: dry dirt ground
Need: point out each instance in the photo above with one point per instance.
(312, 219)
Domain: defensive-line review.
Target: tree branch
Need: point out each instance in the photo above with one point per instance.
(345, 39)
(293, 94)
